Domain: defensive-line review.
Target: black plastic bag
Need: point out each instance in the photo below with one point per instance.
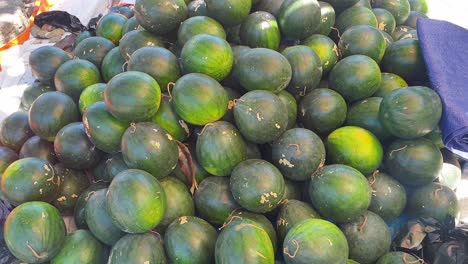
(60, 19)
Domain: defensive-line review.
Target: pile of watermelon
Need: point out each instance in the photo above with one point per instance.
(227, 131)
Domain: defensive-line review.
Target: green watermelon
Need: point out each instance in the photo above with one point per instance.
(115, 164)
(167, 118)
(451, 173)
(30, 179)
(79, 211)
(149, 147)
(291, 104)
(418, 5)
(398, 257)
(389, 83)
(400, 9)
(298, 153)
(44, 62)
(341, 5)
(81, 247)
(412, 34)
(197, 8)
(400, 31)
(160, 16)
(83, 35)
(327, 19)
(90, 95)
(199, 25)
(363, 3)
(260, 30)
(112, 64)
(33, 91)
(326, 50)
(72, 184)
(291, 213)
(179, 201)
(197, 248)
(15, 130)
(130, 24)
(34, 232)
(111, 26)
(410, 112)
(136, 39)
(404, 58)
(388, 39)
(270, 6)
(7, 156)
(413, 161)
(299, 19)
(292, 190)
(362, 40)
(315, 241)
(228, 12)
(354, 16)
(74, 76)
(340, 193)
(233, 95)
(93, 49)
(138, 248)
(388, 196)
(385, 20)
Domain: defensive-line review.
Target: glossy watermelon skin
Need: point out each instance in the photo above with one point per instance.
(325, 48)
(298, 153)
(29, 179)
(410, 112)
(179, 201)
(34, 232)
(198, 249)
(7, 156)
(199, 25)
(72, 184)
(404, 161)
(299, 19)
(197, 8)
(136, 39)
(111, 26)
(103, 129)
(39, 148)
(45, 61)
(93, 49)
(98, 219)
(400, 9)
(228, 12)
(115, 164)
(131, 24)
(112, 64)
(327, 19)
(291, 213)
(260, 116)
(149, 147)
(362, 40)
(260, 30)
(90, 95)
(303, 243)
(354, 16)
(401, 31)
(138, 248)
(167, 118)
(160, 16)
(15, 130)
(74, 149)
(79, 210)
(397, 257)
(291, 104)
(418, 5)
(388, 196)
(270, 6)
(32, 92)
(74, 76)
(385, 20)
(81, 247)
(220, 147)
(244, 241)
(404, 58)
(389, 83)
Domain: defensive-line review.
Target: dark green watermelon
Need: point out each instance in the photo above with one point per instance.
(291, 213)
(322, 111)
(158, 62)
(404, 58)
(400, 31)
(111, 27)
(299, 19)
(260, 30)
(385, 20)
(34, 232)
(197, 8)
(363, 3)
(167, 118)
(400, 9)
(79, 211)
(291, 104)
(136, 39)
(199, 25)
(353, 16)
(93, 49)
(115, 164)
(74, 149)
(362, 40)
(81, 247)
(178, 199)
(327, 19)
(292, 190)
(33, 91)
(124, 10)
(368, 227)
(149, 147)
(160, 16)
(270, 6)
(302, 240)
(398, 257)
(228, 12)
(341, 5)
(138, 248)
(389, 83)
(72, 184)
(388, 196)
(39, 148)
(74, 76)
(413, 161)
(131, 24)
(90, 95)
(418, 5)
(112, 64)
(326, 50)
(30, 179)
(84, 35)
(213, 200)
(340, 193)
(298, 153)
(233, 95)
(45, 61)
(7, 156)
(412, 34)
(99, 172)
(196, 248)
(15, 130)
(388, 39)
(125, 103)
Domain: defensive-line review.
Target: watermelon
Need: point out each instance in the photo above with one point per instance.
(300, 243)
(233, 95)
(199, 25)
(197, 248)
(149, 147)
(207, 54)
(366, 77)
(326, 50)
(98, 219)
(7, 156)
(158, 62)
(327, 19)
(413, 161)
(197, 8)
(404, 58)
(83, 35)
(74, 149)
(179, 201)
(15, 130)
(260, 30)
(411, 112)
(298, 153)
(260, 116)
(124, 103)
(167, 118)
(418, 5)
(111, 26)
(369, 227)
(34, 232)
(93, 49)
(125, 10)
(340, 193)
(72, 184)
(365, 114)
(270, 6)
(291, 213)
(363, 3)
(136, 39)
(400, 31)
(213, 200)
(412, 34)
(263, 69)
(388, 196)
(398, 257)
(362, 40)
(389, 83)
(257, 185)
(436, 137)
(112, 64)
(341, 5)
(90, 95)
(79, 210)
(354, 16)
(388, 39)
(81, 247)
(451, 173)
(299, 19)
(228, 12)
(115, 164)
(244, 242)
(322, 111)
(33, 91)
(385, 20)
(160, 16)
(130, 24)
(74, 76)
(45, 61)
(292, 190)
(138, 248)
(400, 9)
(305, 77)
(199, 99)
(290, 102)
(29, 179)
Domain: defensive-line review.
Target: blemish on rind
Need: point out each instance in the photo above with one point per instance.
(169, 136)
(286, 163)
(62, 199)
(183, 220)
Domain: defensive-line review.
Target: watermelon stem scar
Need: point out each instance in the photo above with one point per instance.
(286, 249)
(203, 130)
(43, 255)
(133, 127)
(364, 223)
(373, 177)
(411, 262)
(436, 192)
(169, 86)
(231, 218)
(298, 150)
